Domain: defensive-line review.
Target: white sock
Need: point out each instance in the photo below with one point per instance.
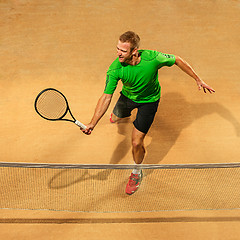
(136, 170)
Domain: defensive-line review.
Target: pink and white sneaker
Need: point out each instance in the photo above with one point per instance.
(133, 183)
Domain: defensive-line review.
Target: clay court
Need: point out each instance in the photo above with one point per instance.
(69, 45)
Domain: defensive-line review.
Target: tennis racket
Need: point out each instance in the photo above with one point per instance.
(52, 105)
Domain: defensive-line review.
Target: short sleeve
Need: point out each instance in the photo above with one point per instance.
(111, 82)
(165, 59)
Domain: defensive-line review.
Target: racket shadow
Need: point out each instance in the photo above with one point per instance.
(66, 178)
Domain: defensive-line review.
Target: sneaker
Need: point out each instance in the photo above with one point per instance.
(111, 120)
(134, 183)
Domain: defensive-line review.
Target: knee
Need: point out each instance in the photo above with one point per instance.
(136, 144)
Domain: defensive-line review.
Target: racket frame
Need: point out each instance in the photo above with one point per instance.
(62, 117)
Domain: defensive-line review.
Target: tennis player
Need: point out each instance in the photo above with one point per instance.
(138, 71)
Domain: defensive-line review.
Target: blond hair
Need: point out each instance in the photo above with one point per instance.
(132, 38)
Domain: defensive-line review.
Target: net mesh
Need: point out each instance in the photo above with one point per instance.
(103, 190)
(51, 105)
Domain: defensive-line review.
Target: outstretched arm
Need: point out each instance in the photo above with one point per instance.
(189, 70)
(102, 106)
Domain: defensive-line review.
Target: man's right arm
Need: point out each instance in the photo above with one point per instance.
(102, 106)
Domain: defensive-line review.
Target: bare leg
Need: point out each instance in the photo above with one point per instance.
(138, 149)
(138, 152)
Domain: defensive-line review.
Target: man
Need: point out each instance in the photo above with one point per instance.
(138, 71)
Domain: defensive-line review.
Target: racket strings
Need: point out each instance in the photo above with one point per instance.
(51, 104)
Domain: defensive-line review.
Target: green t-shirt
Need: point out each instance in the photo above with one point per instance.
(140, 82)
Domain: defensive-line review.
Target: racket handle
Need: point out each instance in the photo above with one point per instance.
(80, 124)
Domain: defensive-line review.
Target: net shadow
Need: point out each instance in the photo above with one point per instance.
(116, 220)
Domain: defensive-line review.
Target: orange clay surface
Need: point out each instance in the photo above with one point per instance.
(69, 45)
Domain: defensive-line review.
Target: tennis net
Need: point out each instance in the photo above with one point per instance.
(101, 188)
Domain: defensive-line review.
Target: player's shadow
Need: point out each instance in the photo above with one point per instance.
(174, 115)
(125, 129)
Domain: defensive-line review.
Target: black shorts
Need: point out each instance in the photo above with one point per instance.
(145, 115)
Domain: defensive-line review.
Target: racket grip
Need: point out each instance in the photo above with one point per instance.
(80, 124)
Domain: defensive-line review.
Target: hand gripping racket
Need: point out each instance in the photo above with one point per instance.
(52, 105)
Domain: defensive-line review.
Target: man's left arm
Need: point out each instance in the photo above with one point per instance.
(184, 66)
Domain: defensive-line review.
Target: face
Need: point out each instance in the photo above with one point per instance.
(124, 52)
